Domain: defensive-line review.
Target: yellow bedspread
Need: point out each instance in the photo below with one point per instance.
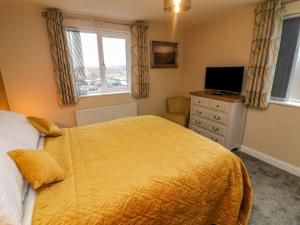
(143, 170)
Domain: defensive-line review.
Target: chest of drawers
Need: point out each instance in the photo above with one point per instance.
(220, 119)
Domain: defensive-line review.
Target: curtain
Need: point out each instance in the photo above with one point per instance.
(75, 48)
(61, 59)
(139, 60)
(264, 53)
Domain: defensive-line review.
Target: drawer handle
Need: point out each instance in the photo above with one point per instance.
(214, 139)
(199, 102)
(217, 106)
(198, 122)
(215, 128)
(199, 112)
(217, 117)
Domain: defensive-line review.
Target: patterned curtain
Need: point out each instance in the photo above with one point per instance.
(61, 58)
(139, 59)
(75, 48)
(264, 53)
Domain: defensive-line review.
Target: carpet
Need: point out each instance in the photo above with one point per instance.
(276, 193)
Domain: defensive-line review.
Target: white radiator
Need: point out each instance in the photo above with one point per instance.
(103, 114)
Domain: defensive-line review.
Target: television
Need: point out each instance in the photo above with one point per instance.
(224, 79)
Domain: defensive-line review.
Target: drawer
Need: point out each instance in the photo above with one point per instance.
(200, 122)
(217, 128)
(200, 101)
(218, 117)
(214, 127)
(198, 111)
(218, 105)
(217, 139)
(199, 130)
(209, 135)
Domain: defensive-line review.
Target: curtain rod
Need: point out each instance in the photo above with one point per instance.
(94, 18)
(97, 19)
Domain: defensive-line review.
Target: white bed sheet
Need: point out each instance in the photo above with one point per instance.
(29, 201)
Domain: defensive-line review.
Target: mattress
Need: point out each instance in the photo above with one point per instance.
(143, 170)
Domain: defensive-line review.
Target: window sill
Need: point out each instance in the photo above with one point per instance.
(105, 94)
(288, 103)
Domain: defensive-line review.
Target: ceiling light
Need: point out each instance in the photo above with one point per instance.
(177, 6)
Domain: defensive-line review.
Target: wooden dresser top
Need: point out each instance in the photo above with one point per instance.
(225, 97)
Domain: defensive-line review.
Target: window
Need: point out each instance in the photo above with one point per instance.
(100, 60)
(286, 86)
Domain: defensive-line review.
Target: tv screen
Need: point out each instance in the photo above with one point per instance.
(226, 79)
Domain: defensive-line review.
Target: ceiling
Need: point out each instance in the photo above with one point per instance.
(148, 10)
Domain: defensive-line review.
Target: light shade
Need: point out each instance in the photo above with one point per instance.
(177, 6)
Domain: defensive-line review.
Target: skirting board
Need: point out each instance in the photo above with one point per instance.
(271, 160)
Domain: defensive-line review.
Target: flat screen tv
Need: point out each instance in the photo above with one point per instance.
(224, 79)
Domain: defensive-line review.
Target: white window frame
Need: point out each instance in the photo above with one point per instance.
(110, 34)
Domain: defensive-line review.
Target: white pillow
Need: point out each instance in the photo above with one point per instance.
(12, 186)
(15, 127)
(7, 145)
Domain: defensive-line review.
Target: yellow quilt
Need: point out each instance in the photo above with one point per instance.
(143, 170)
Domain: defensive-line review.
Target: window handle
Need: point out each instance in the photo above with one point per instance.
(104, 66)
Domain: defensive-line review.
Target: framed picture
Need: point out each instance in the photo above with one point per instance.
(164, 54)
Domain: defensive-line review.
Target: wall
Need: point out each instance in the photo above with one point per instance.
(27, 69)
(163, 82)
(227, 41)
(275, 132)
(223, 41)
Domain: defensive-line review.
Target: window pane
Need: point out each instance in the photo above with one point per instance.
(91, 62)
(286, 84)
(99, 69)
(85, 60)
(114, 51)
(287, 53)
(295, 86)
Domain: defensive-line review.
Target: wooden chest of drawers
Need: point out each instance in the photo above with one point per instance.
(219, 118)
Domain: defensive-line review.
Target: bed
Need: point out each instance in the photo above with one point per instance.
(141, 170)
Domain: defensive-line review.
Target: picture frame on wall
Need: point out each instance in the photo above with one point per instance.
(164, 54)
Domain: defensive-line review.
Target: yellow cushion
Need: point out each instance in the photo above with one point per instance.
(176, 118)
(45, 126)
(37, 166)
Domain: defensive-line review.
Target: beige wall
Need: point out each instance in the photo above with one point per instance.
(227, 41)
(275, 132)
(224, 41)
(27, 69)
